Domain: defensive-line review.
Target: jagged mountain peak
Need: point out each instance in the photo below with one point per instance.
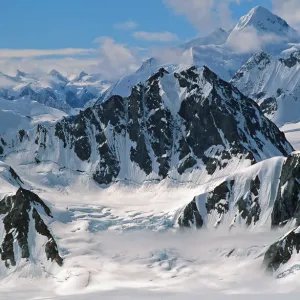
(184, 125)
(58, 75)
(264, 21)
(274, 83)
(24, 213)
(217, 37)
(259, 60)
(21, 74)
(82, 75)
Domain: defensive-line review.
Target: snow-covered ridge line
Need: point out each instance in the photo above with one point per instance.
(274, 83)
(264, 195)
(189, 126)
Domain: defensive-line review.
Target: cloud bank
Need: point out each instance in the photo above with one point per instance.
(164, 36)
(205, 15)
(128, 25)
(288, 10)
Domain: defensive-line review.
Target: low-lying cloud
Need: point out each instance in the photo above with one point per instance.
(23, 53)
(288, 10)
(205, 15)
(164, 36)
(249, 40)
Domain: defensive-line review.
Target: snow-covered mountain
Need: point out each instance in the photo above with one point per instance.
(53, 89)
(185, 126)
(223, 52)
(264, 22)
(274, 83)
(266, 194)
(217, 37)
(25, 235)
(171, 147)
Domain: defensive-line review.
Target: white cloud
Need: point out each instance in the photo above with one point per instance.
(164, 36)
(249, 41)
(5, 82)
(115, 59)
(205, 15)
(22, 53)
(65, 65)
(128, 25)
(170, 56)
(288, 10)
(109, 58)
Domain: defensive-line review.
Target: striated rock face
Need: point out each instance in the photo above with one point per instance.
(287, 204)
(190, 216)
(21, 213)
(280, 252)
(253, 197)
(171, 126)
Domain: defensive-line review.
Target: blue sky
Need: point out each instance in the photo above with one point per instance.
(112, 37)
(37, 24)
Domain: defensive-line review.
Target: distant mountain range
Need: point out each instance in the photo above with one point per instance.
(53, 89)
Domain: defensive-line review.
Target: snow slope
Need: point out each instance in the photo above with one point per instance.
(23, 114)
(109, 249)
(274, 83)
(189, 127)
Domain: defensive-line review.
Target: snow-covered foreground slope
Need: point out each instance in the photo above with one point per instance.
(109, 249)
(266, 194)
(124, 241)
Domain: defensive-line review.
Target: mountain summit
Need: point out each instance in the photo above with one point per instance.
(264, 21)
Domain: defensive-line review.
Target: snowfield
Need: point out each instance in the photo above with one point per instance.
(119, 237)
(119, 243)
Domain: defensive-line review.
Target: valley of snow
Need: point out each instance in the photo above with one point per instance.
(118, 243)
(111, 177)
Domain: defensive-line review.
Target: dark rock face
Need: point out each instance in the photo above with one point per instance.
(287, 204)
(293, 60)
(286, 201)
(15, 176)
(18, 210)
(269, 106)
(220, 200)
(211, 125)
(280, 252)
(191, 216)
(248, 206)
